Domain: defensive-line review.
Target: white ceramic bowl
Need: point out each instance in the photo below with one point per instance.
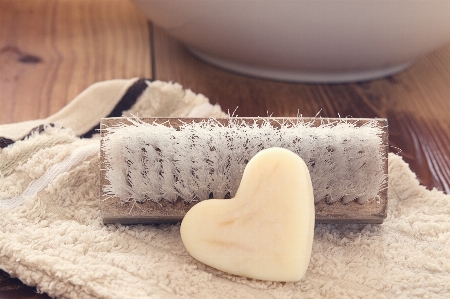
(306, 40)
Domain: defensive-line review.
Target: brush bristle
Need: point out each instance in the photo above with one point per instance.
(204, 159)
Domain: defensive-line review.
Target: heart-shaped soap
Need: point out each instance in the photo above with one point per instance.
(265, 231)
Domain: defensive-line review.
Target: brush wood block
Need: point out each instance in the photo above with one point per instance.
(114, 210)
(266, 231)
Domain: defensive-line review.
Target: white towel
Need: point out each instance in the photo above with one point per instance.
(54, 237)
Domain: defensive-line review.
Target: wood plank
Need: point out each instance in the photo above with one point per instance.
(31, 86)
(11, 288)
(415, 102)
(115, 210)
(52, 50)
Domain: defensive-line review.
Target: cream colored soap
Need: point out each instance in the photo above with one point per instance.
(266, 230)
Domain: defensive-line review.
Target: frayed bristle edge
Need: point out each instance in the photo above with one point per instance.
(160, 161)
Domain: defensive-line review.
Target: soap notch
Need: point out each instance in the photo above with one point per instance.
(266, 231)
(153, 170)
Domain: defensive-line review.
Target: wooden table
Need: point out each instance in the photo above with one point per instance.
(51, 50)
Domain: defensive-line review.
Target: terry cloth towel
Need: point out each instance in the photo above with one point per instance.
(52, 235)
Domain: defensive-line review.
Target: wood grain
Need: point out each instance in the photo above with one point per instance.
(52, 50)
(415, 102)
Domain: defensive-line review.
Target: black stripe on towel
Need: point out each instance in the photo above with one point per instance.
(126, 102)
(4, 142)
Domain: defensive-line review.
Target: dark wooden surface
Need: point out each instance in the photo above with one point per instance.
(51, 50)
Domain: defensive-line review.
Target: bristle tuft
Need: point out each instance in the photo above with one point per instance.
(152, 161)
